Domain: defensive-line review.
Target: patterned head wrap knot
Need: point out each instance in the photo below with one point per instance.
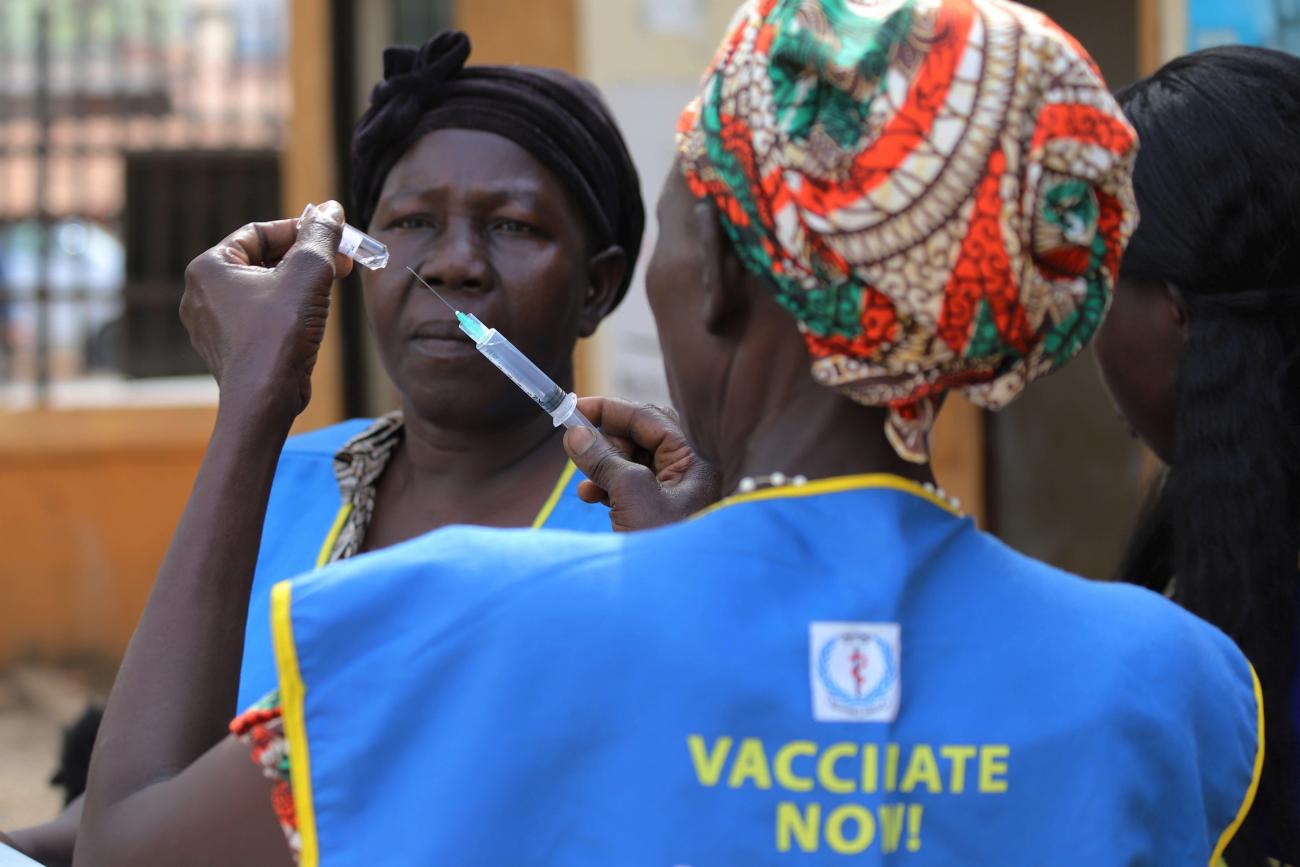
(938, 190)
(559, 119)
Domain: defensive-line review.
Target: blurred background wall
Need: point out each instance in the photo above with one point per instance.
(135, 133)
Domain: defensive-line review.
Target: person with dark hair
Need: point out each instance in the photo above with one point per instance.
(871, 205)
(511, 191)
(1201, 353)
(508, 189)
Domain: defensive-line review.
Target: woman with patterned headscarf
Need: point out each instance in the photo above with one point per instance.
(921, 196)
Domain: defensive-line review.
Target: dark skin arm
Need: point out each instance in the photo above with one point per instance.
(167, 785)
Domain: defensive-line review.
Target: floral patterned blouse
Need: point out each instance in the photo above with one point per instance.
(262, 729)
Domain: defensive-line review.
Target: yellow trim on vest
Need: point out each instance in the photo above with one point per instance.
(836, 485)
(1249, 799)
(549, 506)
(328, 548)
(293, 693)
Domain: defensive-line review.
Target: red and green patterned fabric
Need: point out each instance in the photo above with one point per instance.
(938, 190)
(261, 727)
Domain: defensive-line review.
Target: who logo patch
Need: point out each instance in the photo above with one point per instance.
(854, 671)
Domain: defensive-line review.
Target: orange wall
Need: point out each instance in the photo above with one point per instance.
(538, 32)
(308, 175)
(88, 500)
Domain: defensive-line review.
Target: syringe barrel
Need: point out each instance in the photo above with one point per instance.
(528, 376)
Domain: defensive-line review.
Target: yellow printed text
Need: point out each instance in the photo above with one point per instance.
(848, 829)
(847, 767)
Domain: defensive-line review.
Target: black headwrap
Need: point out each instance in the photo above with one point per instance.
(559, 119)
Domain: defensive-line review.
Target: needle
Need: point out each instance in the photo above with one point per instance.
(562, 407)
(430, 288)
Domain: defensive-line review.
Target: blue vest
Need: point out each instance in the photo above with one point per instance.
(303, 517)
(840, 673)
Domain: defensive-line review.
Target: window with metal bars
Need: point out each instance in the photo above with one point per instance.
(133, 134)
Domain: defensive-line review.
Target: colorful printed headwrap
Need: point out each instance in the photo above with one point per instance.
(939, 191)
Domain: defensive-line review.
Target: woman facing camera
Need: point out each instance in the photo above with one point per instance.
(510, 190)
(873, 205)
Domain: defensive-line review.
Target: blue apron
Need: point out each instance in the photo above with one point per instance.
(303, 518)
(839, 673)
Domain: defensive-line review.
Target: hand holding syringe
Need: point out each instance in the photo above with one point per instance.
(562, 406)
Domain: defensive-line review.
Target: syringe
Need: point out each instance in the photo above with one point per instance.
(560, 405)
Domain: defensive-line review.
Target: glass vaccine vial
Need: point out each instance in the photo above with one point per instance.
(359, 247)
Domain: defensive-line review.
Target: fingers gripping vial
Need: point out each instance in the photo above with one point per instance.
(359, 247)
(562, 406)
